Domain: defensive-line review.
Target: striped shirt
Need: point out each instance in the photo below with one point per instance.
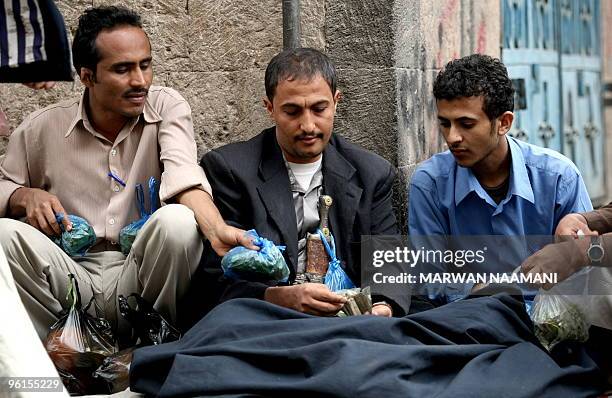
(22, 35)
(34, 45)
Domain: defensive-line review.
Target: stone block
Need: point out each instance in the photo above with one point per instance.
(481, 22)
(443, 23)
(455, 28)
(312, 13)
(226, 106)
(360, 33)
(409, 49)
(231, 36)
(17, 101)
(366, 112)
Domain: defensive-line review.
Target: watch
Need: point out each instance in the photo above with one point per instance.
(595, 252)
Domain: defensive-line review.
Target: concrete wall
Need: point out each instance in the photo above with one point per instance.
(387, 54)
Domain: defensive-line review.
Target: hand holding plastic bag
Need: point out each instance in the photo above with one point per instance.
(78, 343)
(79, 239)
(267, 263)
(557, 319)
(128, 234)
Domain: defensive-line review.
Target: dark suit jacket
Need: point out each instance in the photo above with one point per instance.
(251, 188)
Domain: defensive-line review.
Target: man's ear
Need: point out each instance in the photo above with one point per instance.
(87, 76)
(505, 122)
(269, 106)
(337, 97)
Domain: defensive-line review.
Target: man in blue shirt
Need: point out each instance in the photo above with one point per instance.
(488, 183)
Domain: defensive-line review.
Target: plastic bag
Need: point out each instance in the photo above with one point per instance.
(149, 326)
(557, 319)
(128, 234)
(115, 370)
(80, 238)
(78, 343)
(267, 263)
(335, 278)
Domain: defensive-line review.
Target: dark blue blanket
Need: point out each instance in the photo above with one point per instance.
(480, 347)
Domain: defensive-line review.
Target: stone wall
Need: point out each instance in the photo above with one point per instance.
(387, 54)
(213, 51)
(426, 39)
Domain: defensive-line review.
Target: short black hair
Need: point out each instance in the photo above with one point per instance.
(477, 75)
(299, 63)
(91, 23)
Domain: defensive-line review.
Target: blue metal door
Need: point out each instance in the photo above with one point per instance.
(551, 49)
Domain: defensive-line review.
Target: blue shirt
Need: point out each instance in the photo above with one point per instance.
(544, 186)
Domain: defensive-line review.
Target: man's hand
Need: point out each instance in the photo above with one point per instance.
(225, 237)
(40, 208)
(570, 225)
(564, 258)
(222, 237)
(310, 298)
(382, 309)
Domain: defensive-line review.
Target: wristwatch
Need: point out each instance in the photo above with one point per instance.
(595, 252)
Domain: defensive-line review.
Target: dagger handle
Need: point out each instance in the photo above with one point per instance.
(325, 202)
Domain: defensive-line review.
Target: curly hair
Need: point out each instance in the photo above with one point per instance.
(477, 75)
(299, 63)
(91, 23)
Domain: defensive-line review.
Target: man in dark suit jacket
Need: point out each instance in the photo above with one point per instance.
(253, 188)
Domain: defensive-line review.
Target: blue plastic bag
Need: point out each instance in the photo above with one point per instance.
(128, 234)
(266, 264)
(80, 238)
(335, 278)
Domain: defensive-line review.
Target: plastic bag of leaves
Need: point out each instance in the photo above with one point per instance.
(128, 234)
(265, 264)
(557, 319)
(150, 327)
(115, 370)
(78, 344)
(80, 238)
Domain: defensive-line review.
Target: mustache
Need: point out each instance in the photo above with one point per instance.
(316, 134)
(136, 92)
